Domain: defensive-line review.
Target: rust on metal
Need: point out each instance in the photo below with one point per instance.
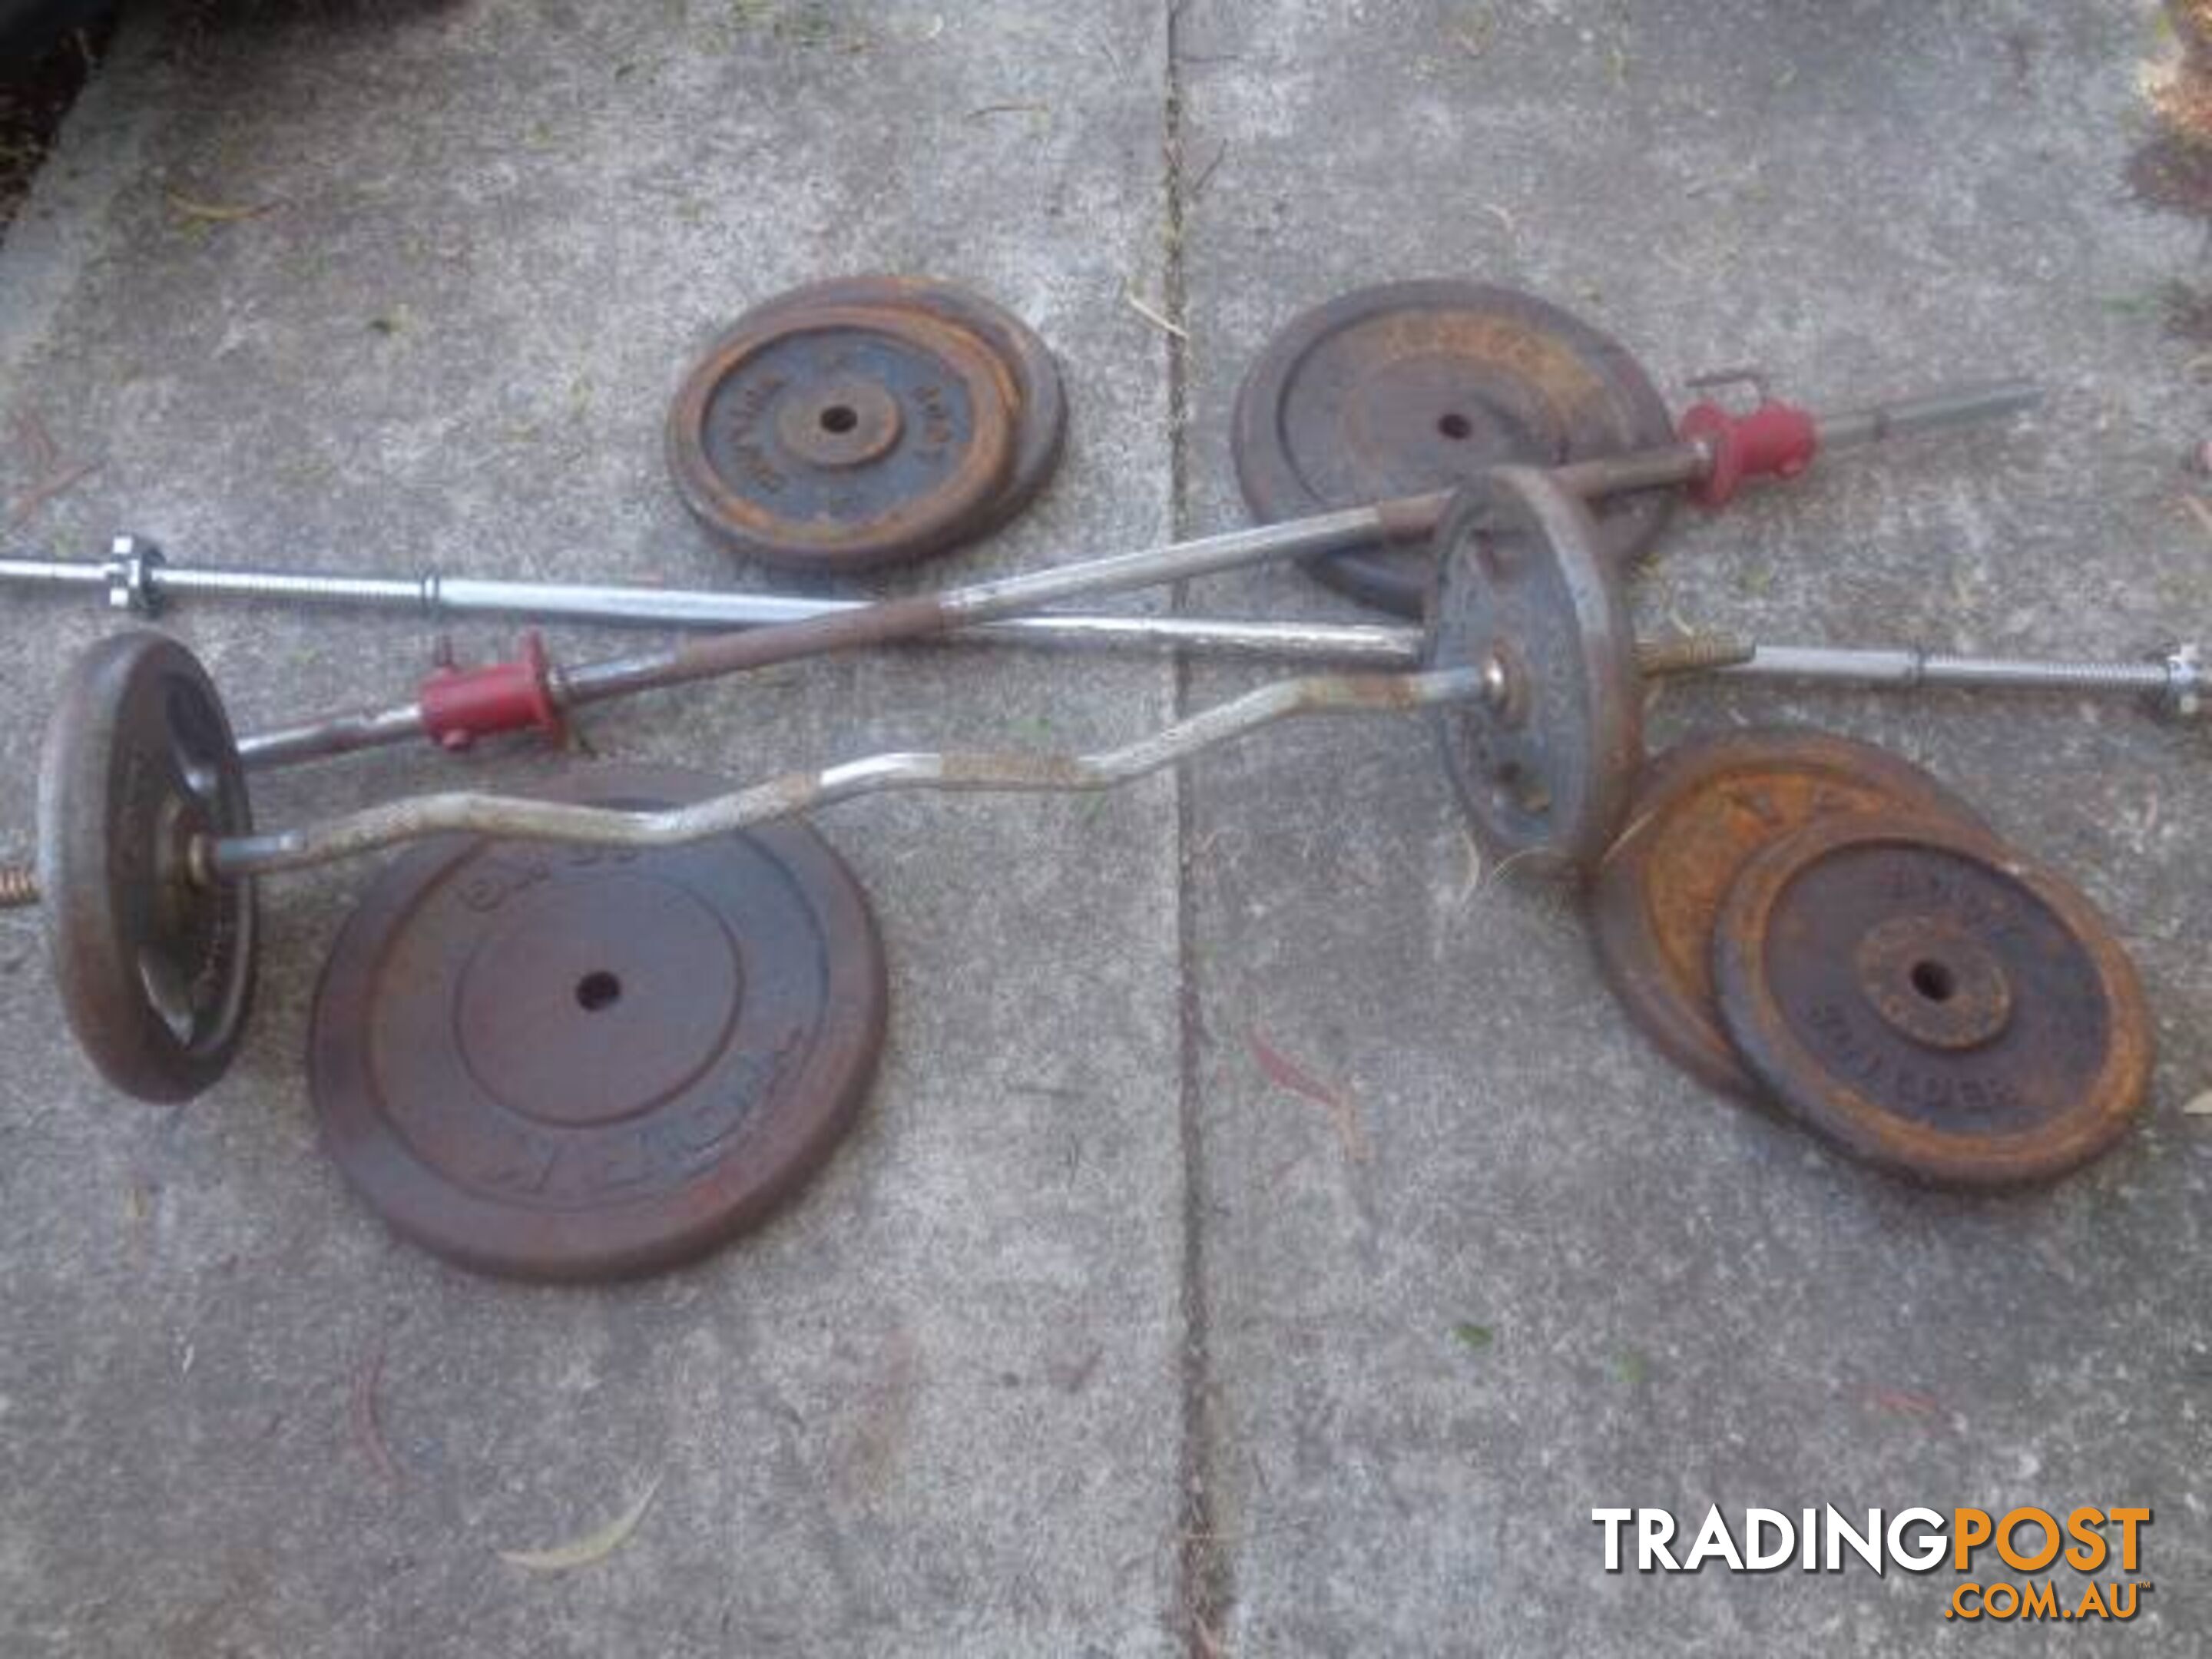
(155, 967)
(1931, 1002)
(1542, 764)
(583, 1063)
(1410, 388)
(865, 421)
(1040, 431)
(1699, 814)
(887, 620)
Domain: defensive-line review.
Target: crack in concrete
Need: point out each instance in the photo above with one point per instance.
(1204, 1590)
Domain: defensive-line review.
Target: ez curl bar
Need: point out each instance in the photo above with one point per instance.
(147, 859)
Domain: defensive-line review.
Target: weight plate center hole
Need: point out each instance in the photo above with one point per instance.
(1934, 984)
(852, 422)
(1456, 427)
(598, 991)
(1934, 981)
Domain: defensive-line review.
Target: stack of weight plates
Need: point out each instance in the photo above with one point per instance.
(1814, 923)
(866, 421)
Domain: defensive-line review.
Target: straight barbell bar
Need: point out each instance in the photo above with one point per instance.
(455, 707)
(146, 856)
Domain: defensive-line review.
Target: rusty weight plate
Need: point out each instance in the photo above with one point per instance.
(1543, 763)
(1931, 1002)
(1411, 387)
(1042, 432)
(866, 421)
(1699, 813)
(577, 1063)
(155, 968)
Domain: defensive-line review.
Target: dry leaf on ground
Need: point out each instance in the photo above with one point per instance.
(593, 1546)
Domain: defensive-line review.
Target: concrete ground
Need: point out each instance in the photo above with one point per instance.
(1104, 1335)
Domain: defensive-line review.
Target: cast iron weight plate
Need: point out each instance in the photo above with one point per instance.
(1699, 814)
(1418, 387)
(1931, 1002)
(1042, 432)
(1543, 765)
(156, 970)
(865, 421)
(580, 1063)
